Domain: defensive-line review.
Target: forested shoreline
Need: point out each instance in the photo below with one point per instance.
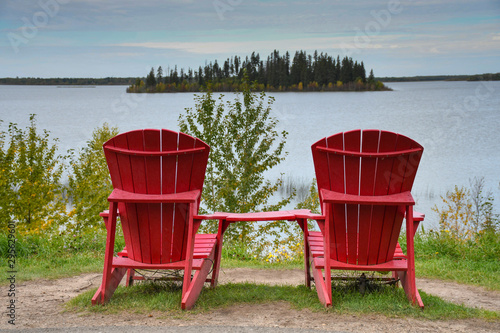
(303, 72)
(67, 81)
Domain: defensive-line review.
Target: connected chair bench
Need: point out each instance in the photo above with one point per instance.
(364, 181)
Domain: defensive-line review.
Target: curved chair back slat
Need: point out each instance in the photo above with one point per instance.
(366, 163)
(155, 162)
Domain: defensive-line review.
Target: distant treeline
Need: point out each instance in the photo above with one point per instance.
(119, 81)
(477, 77)
(317, 72)
(132, 81)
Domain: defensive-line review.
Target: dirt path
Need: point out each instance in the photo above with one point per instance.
(40, 305)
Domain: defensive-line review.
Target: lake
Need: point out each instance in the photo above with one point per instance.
(456, 122)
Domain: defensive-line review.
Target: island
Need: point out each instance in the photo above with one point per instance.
(303, 72)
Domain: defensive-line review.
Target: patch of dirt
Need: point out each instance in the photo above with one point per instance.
(40, 305)
(471, 296)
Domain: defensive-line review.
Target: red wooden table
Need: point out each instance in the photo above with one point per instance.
(225, 219)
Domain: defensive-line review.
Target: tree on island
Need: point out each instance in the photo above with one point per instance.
(318, 72)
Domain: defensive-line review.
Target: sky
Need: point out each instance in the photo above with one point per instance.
(122, 38)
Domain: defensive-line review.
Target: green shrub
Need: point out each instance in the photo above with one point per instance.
(30, 181)
(244, 145)
(90, 183)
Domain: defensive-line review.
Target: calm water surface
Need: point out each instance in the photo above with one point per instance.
(456, 122)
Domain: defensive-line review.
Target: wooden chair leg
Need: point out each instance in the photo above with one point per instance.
(190, 296)
(411, 293)
(215, 271)
(130, 277)
(307, 267)
(324, 295)
(395, 277)
(223, 224)
(409, 283)
(111, 277)
(108, 286)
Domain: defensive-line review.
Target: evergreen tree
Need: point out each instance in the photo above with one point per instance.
(151, 79)
(371, 78)
(159, 75)
(278, 72)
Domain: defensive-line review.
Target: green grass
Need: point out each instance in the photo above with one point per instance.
(61, 256)
(56, 256)
(473, 262)
(388, 301)
(54, 267)
(479, 273)
(66, 255)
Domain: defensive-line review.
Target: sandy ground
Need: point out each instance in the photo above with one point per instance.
(40, 305)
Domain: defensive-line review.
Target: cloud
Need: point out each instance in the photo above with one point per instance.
(217, 47)
(188, 32)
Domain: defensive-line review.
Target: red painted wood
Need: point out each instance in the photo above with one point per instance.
(370, 145)
(321, 166)
(336, 173)
(102, 294)
(355, 153)
(129, 218)
(189, 297)
(129, 263)
(108, 255)
(157, 178)
(393, 265)
(169, 142)
(199, 165)
(139, 152)
(130, 197)
(139, 180)
(187, 283)
(324, 294)
(382, 215)
(335, 166)
(352, 142)
(364, 183)
(153, 183)
(397, 199)
(395, 215)
(261, 216)
(184, 172)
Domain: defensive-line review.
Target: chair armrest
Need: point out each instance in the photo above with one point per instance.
(214, 216)
(306, 214)
(404, 198)
(105, 213)
(129, 197)
(418, 216)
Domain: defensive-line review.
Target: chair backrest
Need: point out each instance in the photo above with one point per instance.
(368, 163)
(155, 162)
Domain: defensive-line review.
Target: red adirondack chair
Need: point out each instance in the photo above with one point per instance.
(364, 181)
(157, 177)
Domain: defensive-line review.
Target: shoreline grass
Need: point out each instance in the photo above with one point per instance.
(64, 256)
(390, 302)
(40, 258)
